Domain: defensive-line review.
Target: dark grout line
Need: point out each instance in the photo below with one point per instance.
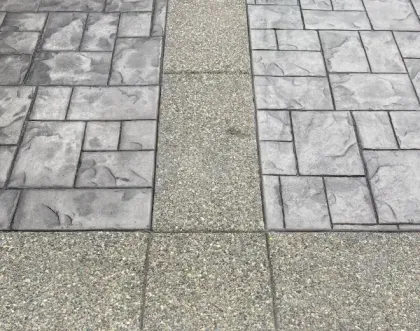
(359, 144)
(161, 74)
(260, 172)
(326, 200)
(215, 72)
(393, 130)
(145, 280)
(272, 285)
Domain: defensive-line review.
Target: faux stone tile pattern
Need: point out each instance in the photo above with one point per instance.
(78, 209)
(51, 103)
(14, 106)
(23, 22)
(326, 144)
(349, 200)
(8, 203)
(66, 134)
(334, 101)
(48, 155)
(375, 130)
(116, 169)
(63, 31)
(382, 51)
(343, 51)
(101, 136)
(280, 63)
(395, 181)
(6, 157)
(408, 43)
(407, 129)
(13, 68)
(305, 204)
(277, 158)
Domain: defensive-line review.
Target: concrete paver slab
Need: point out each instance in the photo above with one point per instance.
(71, 281)
(346, 281)
(207, 170)
(208, 281)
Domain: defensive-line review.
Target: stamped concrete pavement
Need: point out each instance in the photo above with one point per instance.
(206, 139)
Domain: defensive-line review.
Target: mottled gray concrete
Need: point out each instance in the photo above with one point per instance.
(200, 40)
(346, 281)
(208, 281)
(71, 281)
(207, 170)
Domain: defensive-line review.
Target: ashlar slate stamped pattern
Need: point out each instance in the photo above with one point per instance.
(337, 90)
(79, 99)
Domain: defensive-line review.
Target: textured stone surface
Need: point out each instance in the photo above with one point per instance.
(50, 280)
(102, 136)
(348, 5)
(63, 31)
(263, 39)
(23, 22)
(413, 67)
(273, 209)
(14, 106)
(71, 5)
(159, 21)
(84, 209)
(373, 92)
(19, 5)
(208, 281)
(100, 32)
(114, 103)
(374, 276)
(326, 144)
(382, 51)
(335, 20)
(277, 158)
(408, 43)
(305, 205)
(275, 17)
(129, 5)
(51, 103)
(136, 61)
(18, 42)
(375, 130)
(343, 51)
(407, 129)
(6, 157)
(316, 4)
(298, 40)
(349, 200)
(138, 135)
(116, 169)
(395, 181)
(48, 155)
(8, 202)
(135, 25)
(288, 63)
(392, 15)
(13, 68)
(274, 125)
(70, 68)
(292, 93)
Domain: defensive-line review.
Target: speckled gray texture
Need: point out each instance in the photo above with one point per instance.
(208, 282)
(199, 41)
(346, 281)
(207, 170)
(72, 281)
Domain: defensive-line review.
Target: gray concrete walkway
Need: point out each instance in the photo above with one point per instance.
(206, 130)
